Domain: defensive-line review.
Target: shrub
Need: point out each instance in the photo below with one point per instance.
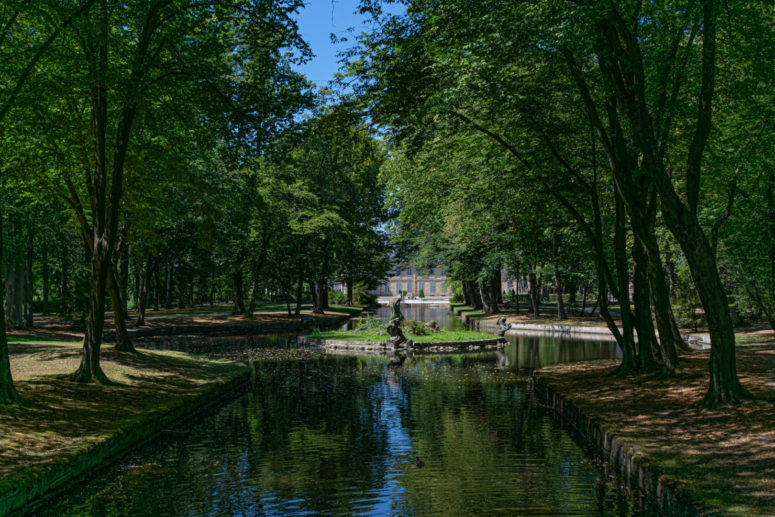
(370, 322)
(421, 294)
(457, 294)
(337, 297)
(417, 328)
(362, 296)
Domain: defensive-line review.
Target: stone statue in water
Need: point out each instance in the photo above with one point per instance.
(397, 338)
(395, 305)
(503, 326)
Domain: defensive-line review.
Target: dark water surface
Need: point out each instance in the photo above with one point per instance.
(341, 435)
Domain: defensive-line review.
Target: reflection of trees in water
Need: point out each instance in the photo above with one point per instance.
(332, 432)
(486, 447)
(530, 352)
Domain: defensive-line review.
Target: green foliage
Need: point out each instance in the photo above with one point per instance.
(362, 296)
(416, 328)
(421, 293)
(337, 297)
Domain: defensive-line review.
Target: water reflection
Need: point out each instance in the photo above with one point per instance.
(340, 435)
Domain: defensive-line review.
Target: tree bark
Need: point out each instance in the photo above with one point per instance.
(558, 287)
(123, 343)
(647, 341)
(46, 286)
(90, 357)
(8, 393)
(623, 285)
(239, 296)
(168, 291)
(532, 289)
(488, 291)
(64, 293)
(349, 283)
(28, 285)
(156, 285)
(142, 292)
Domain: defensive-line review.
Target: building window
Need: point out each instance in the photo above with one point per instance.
(408, 287)
(398, 287)
(409, 271)
(433, 287)
(420, 286)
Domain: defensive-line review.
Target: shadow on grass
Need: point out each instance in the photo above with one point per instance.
(61, 417)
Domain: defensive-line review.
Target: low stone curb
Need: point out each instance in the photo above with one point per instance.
(106, 452)
(631, 467)
(698, 341)
(226, 330)
(431, 346)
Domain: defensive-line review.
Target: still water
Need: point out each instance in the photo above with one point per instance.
(440, 435)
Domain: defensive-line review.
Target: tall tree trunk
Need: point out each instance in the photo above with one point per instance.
(156, 284)
(168, 291)
(90, 357)
(489, 293)
(123, 272)
(142, 292)
(647, 341)
(299, 289)
(46, 285)
(8, 393)
(28, 287)
(123, 343)
(532, 290)
(64, 292)
(253, 299)
(662, 313)
(14, 293)
(623, 286)
(239, 297)
(349, 284)
(558, 287)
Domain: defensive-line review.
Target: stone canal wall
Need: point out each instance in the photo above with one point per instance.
(106, 452)
(431, 347)
(631, 468)
(697, 341)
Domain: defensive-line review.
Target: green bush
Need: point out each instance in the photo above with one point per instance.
(362, 296)
(420, 294)
(337, 297)
(369, 323)
(417, 328)
(457, 294)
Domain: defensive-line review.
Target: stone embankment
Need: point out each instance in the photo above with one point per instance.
(631, 469)
(427, 347)
(31, 495)
(587, 333)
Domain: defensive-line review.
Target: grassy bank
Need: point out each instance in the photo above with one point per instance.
(376, 336)
(724, 457)
(62, 426)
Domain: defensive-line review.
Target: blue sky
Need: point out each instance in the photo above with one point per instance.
(317, 21)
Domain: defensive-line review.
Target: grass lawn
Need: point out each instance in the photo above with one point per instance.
(376, 336)
(60, 419)
(725, 457)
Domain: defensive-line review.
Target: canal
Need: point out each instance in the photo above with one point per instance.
(439, 435)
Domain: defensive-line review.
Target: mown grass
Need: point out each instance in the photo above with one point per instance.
(60, 419)
(376, 336)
